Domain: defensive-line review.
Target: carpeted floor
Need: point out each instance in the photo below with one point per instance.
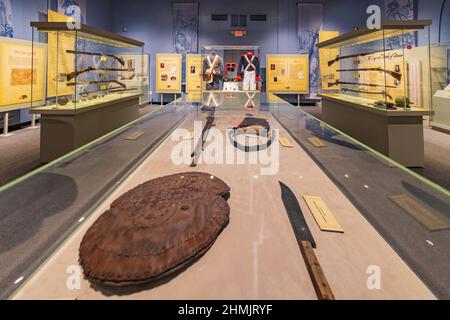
(19, 153)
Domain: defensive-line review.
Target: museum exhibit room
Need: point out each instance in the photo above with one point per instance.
(243, 150)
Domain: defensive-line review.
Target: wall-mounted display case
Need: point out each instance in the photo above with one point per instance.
(376, 87)
(94, 83)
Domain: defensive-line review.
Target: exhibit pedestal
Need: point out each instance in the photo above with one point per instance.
(63, 131)
(397, 134)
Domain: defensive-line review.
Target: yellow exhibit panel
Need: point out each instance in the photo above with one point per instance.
(168, 73)
(329, 63)
(193, 73)
(58, 45)
(287, 73)
(18, 73)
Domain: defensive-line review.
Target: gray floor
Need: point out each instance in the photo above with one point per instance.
(437, 153)
(19, 153)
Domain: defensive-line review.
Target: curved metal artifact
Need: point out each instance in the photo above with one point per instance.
(155, 230)
(252, 126)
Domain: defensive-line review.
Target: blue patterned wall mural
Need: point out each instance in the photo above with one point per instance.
(6, 26)
(310, 22)
(401, 10)
(185, 29)
(64, 7)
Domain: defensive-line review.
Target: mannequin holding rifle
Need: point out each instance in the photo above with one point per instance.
(213, 71)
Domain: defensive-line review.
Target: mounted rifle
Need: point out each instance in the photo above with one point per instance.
(332, 84)
(363, 54)
(72, 84)
(63, 77)
(384, 93)
(119, 59)
(394, 74)
(210, 118)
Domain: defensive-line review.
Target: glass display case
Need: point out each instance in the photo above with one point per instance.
(86, 67)
(387, 68)
(440, 77)
(231, 68)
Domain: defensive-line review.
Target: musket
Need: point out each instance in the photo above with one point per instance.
(363, 54)
(201, 143)
(306, 243)
(384, 93)
(331, 84)
(72, 84)
(63, 77)
(394, 74)
(110, 90)
(119, 59)
(72, 75)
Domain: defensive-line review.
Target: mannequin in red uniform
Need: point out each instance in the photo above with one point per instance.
(249, 71)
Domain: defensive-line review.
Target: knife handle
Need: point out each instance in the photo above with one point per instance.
(320, 283)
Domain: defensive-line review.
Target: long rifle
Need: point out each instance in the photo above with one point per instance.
(110, 90)
(72, 84)
(394, 74)
(63, 77)
(384, 93)
(363, 54)
(119, 59)
(332, 84)
(201, 143)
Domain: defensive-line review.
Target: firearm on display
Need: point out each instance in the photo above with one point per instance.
(394, 74)
(72, 84)
(210, 118)
(338, 57)
(384, 93)
(110, 90)
(332, 84)
(119, 59)
(63, 77)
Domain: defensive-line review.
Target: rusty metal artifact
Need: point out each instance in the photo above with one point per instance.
(155, 230)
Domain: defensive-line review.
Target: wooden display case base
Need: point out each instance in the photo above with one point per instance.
(64, 132)
(397, 134)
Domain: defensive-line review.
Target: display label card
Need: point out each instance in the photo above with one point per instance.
(135, 136)
(425, 215)
(322, 214)
(286, 143)
(316, 142)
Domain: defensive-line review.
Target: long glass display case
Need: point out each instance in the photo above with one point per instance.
(389, 217)
(86, 67)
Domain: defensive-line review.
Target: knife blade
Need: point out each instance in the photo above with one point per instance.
(298, 221)
(306, 244)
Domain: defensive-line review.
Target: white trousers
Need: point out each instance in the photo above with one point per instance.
(249, 81)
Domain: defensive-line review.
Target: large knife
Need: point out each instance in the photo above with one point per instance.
(306, 243)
